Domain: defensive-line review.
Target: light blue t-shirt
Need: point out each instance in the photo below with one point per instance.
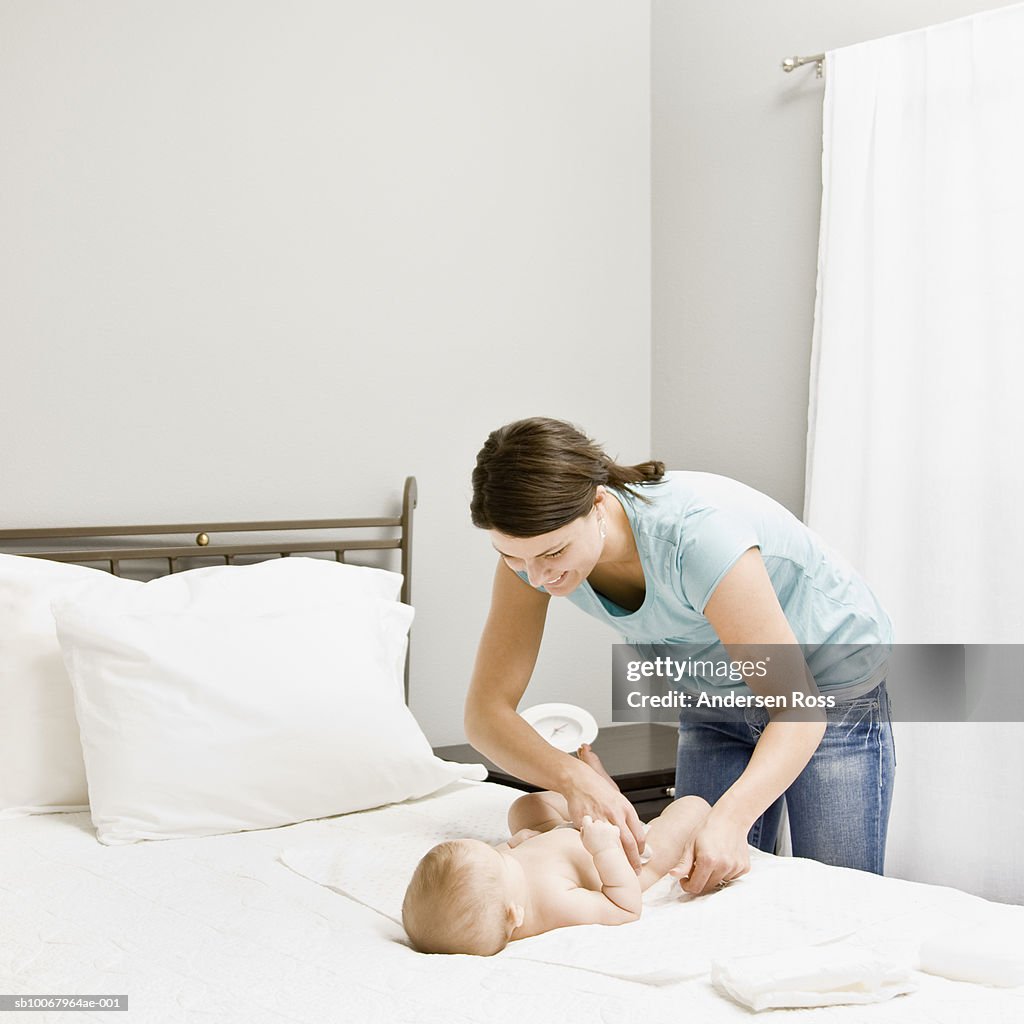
(691, 533)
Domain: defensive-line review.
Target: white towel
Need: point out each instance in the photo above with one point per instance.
(371, 856)
(784, 903)
(989, 953)
(827, 975)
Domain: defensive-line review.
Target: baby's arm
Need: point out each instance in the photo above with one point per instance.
(619, 900)
(618, 879)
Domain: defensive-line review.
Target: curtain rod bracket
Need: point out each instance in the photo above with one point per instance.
(818, 60)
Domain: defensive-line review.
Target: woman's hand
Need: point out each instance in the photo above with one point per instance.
(717, 854)
(592, 793)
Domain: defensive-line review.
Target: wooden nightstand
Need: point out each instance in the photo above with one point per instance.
(640, 758)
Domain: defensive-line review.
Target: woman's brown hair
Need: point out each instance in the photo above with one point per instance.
(535, 475)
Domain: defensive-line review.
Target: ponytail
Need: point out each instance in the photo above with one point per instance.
(643, 473)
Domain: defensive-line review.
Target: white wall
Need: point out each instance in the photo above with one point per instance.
(264, 259)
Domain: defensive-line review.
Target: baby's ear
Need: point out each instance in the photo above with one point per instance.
(514, 913)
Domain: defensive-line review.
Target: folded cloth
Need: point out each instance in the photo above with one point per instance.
(988, 953)
(826, 975)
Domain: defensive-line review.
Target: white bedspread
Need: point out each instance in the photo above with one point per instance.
(220, 929)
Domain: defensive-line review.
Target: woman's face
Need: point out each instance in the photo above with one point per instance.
(558, 561)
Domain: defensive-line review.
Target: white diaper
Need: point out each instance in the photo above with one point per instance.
(827, 975)
(648, 852)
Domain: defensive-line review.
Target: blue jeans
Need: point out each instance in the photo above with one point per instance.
(838, 805)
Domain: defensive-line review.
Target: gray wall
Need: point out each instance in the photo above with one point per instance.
(264, 259)
(736, 170)
(736, 178)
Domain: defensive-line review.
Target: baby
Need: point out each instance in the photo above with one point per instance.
(468, 897)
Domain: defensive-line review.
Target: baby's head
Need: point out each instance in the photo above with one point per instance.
(459, 900)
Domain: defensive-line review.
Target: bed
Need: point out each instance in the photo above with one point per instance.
(290, 917)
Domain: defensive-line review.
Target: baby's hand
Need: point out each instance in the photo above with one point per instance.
(521, 836)
(598, 835)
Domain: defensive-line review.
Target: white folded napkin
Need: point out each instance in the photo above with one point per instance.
(826, 975)
(989, 953)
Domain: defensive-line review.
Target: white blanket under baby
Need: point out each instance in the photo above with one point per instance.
(219, 929)
(788, 906)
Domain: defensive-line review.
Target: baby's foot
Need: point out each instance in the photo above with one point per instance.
(587, 756)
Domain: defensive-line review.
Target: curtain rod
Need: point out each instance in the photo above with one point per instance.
(818, 60)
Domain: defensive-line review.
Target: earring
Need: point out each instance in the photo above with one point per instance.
(602, 528)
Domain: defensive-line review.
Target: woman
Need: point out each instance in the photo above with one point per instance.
(685, 558)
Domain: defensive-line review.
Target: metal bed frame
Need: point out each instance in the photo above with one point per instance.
(168, 547)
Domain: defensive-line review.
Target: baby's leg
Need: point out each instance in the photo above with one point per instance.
(669, 833)
(539, 811)
(587, 756)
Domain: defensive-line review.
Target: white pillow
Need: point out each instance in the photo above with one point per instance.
(41, 768)
(274, 583)
(204, 709)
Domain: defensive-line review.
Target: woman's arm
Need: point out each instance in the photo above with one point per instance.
(747, 617)
(504, 663)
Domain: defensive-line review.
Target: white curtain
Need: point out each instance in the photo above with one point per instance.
(915, 466)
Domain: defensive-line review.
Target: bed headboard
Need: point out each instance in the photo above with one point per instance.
(163, 549)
